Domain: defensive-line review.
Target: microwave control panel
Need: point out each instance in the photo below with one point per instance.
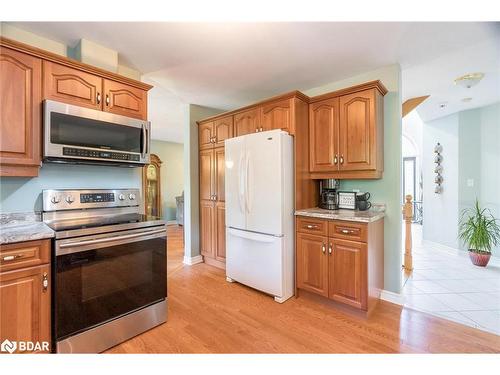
(86, 153)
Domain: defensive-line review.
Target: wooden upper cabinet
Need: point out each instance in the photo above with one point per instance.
(72, 86)
(223, 129)
(20, 113)
(358, 128)
(278, 115)
(348, 273)
(324, 135)
(247, 122)
(25, 305)
(206, 135)
(312, 263)
(125, 100)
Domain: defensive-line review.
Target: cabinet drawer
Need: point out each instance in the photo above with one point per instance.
(24, 254)
(312, 226)
(347, 230)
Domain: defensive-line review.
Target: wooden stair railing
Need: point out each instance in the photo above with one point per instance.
(408, 216)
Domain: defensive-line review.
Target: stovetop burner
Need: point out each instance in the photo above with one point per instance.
(99, 221)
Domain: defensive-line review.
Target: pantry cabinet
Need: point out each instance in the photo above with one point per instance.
(340, 260)
(212, 206)
(20, 114)
(346, 133)
(25, 286)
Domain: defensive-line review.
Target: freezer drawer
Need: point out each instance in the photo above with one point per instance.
(256, 260)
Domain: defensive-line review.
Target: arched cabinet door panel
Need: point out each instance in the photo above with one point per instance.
(324, 136)
(20, 111)
(247, 122)
(124, 100)
(72, 86)
(278, 115)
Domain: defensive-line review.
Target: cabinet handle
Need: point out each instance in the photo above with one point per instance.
(261, 128)
(107, 99)
(335, 159)
(311, 226)
(347, 231)
(341, 159)
(10, 258)
(330, 249)
(215, 197)
(98, 98)
(323, 248)
(45, 281)
(256, 130)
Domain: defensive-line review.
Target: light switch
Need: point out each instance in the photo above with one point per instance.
(470, 182)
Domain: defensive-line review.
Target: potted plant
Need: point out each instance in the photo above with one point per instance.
(480, 232)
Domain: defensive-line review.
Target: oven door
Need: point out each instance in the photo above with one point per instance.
(102, 277)
(73, 133)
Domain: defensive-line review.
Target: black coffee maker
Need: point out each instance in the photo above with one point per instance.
(329, 198)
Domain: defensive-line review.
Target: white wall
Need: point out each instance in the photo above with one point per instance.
(441, 210)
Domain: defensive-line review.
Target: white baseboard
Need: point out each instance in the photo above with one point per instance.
(392, 297)
(171, 222)
(192, 260)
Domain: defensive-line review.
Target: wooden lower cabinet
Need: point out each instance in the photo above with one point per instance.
(312, 263)
(207, 228)
(25, 298)
(220, 236)
(344, 270)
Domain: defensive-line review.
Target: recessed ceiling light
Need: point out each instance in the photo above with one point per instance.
(469, 80)
(466, 100)
(443, 105)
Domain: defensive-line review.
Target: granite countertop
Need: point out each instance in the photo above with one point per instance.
(369, 216)
(20, 227)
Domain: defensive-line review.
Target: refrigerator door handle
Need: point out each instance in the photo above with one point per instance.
(252, 235)
(247, 183)
(241, 184)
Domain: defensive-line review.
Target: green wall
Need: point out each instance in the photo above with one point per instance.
(388, 189)
(172, 174)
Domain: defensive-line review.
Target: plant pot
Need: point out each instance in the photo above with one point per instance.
(479, 259)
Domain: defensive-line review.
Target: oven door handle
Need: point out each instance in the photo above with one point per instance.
(111, 239)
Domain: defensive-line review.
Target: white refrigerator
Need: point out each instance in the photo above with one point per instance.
(259, 187)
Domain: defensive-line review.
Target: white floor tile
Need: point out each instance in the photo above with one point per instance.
(487, 301)
(455, 316)
(425, 302)
(457, 302)
(461, 286)
(428, 286)
(489, 320)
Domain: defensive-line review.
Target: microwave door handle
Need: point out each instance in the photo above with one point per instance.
(143, 133)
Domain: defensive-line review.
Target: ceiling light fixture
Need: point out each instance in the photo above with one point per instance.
(469, 80)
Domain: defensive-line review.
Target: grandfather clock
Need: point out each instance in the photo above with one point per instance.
(151, 186)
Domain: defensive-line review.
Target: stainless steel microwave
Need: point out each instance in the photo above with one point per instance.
(74, 134)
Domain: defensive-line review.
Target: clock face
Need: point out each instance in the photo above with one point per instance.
(151, 173)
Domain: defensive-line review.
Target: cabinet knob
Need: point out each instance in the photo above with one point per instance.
(323, 248)
(335, 159)
(330, 249)
(98, 98)
(261, 128)
(45, 281)
(256, 130)
(107, 99)
(341, 159)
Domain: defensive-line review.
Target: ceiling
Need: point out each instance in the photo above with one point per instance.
(227, 65)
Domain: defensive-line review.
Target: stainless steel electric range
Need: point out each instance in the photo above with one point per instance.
(108, 266)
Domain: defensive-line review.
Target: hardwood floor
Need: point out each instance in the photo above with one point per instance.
(175, 248)
(208, 315)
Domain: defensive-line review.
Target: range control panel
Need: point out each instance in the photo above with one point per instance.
(97, 197)
(85, 153)
(66, 199)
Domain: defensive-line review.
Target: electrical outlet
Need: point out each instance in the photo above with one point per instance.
(470, 182)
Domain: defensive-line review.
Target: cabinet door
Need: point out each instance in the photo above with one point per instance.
(207, 175)
(220, 224)
(125, 100)
(278, 115)
(207, 228)
(247, 122)
(312, 263)
(206, 135)
(220, 169)
(71, 86)
(348, 272)
(324, 135)
(357, 129)
(25, 305)
(223, 130)
(20, 113)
